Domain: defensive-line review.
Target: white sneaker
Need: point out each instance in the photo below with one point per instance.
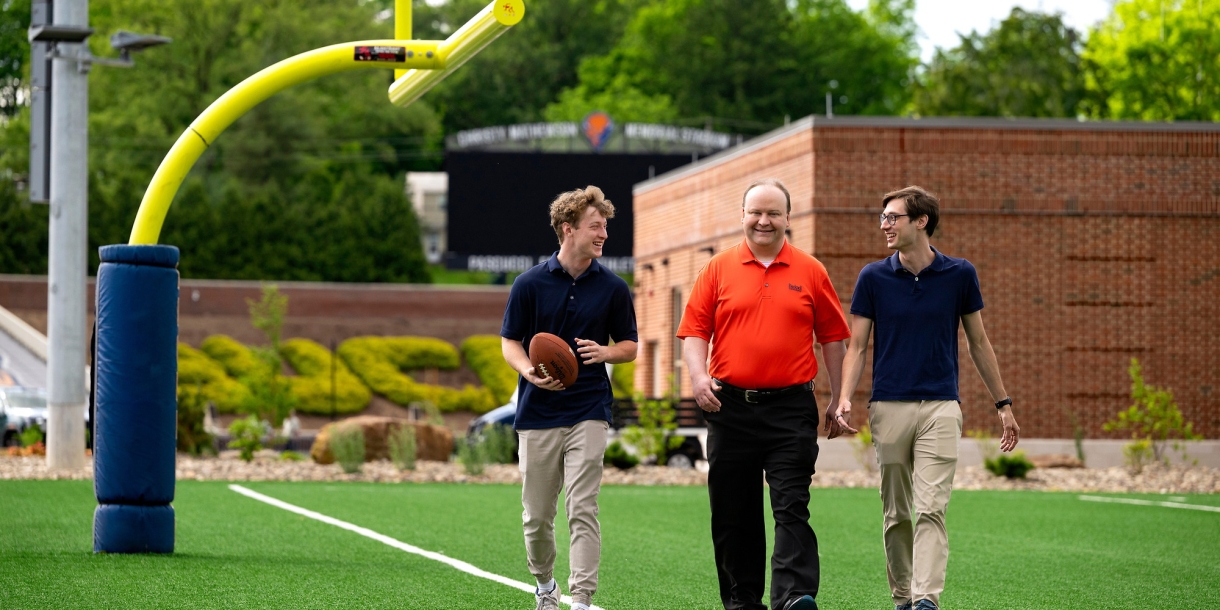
(547, 600)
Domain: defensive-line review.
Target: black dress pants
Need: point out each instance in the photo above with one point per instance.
(744, 440)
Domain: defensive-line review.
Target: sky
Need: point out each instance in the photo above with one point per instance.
(940, 21)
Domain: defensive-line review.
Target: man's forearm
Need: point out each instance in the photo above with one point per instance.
(694, 353)
(832, 354)
(623, 352)
(515, 356)
(988, 366)
(853, 368)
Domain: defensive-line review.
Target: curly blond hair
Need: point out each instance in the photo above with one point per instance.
(570, 207)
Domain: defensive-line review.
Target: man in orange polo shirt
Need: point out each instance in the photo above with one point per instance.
(760, 304)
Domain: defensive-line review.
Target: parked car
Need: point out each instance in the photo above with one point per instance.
(21, 408)
(692, 429)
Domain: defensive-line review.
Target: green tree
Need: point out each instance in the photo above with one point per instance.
(1029, 66)
(513, 80)
(753, 60)
(1154, 418)
(1155, 60)
(14, 54)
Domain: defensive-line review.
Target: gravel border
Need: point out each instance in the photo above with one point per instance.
(266, 467)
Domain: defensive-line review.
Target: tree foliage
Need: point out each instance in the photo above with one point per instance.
(752, 60)
(1156, 60)
(1029, 66)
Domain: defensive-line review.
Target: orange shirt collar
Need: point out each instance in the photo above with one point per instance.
(745, 255)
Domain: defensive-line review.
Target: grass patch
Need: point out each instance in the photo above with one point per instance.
(1015, 550)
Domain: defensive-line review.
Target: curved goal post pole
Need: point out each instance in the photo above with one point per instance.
(436, 59)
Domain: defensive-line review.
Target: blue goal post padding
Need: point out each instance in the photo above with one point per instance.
(136, 404)
(120, 528)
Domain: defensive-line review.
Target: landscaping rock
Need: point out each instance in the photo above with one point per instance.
(1055, 460)
(431, 442)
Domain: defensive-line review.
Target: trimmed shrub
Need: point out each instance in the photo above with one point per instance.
(622, 380)
(311, 386)
(237, 359)
(197, 369)
(380, 363)
(1013, 466)
(485, 357)
(618, 456)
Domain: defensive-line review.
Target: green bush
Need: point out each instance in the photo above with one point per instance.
(312, 385)
(472, 455)
(1013, 466)
(1154, 417)
(380, 363)
(192, 405)
(347, 443)
(237, 359)
(653, 437)
(485, 357)
(403, 446)
(291, 456)
(1138, 454)
(617, 456)
(32, 435)
(622, 380)
(500, 442)
(197, 370)
(247, 436)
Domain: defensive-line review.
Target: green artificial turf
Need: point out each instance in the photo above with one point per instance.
(1015, 550)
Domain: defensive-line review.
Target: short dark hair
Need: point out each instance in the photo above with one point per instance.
(919, 203)
(775, 182)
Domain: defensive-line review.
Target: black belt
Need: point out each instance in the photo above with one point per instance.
(764, 395)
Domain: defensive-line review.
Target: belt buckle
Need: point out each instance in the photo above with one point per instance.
(747, 396)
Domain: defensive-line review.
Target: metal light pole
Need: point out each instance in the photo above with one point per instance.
(66, 312)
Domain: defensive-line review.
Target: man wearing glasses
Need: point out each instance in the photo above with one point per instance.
(914, 301)
(761, 304)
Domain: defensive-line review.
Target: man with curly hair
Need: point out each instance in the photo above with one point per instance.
(562, 430)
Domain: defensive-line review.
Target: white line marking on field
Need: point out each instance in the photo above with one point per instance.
(1213, 509)
(398, 544)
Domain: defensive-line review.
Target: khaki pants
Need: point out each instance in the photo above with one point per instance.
(569, 458)
(917, 454)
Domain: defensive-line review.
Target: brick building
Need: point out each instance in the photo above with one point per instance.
(1095, 243)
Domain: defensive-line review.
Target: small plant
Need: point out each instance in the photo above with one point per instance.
(500, 442)
(1013, 466)
(291, 456)
(32, 435)
(1154, 417)
(472, 456)
(617, 456)
(247, 436)
(403, 446)
(861, 443)
(1138, 454)
(988, 446)
(653, 438)
(347, 443)
(192, 438)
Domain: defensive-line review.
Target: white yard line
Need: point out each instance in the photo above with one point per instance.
(1212, 509)
(398, 544)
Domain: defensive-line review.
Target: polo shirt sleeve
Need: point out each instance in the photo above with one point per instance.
(699, 318)
(517, 312)
(829, 323)
(972, 295)
(622, 314)
(862, 297)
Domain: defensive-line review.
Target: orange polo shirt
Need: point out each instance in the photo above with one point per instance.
(762, 321)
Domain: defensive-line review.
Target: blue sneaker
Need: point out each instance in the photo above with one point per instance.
(925, 604)
(804, 602)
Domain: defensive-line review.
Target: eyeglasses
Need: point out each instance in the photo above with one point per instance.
(891, 218)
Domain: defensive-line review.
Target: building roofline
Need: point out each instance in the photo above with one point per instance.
(890, 122)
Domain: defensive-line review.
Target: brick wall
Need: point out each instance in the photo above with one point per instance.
(1095, 243)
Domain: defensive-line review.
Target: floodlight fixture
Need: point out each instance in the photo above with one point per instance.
(59, 33)
(125, 41)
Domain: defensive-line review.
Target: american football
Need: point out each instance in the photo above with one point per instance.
(552, 357)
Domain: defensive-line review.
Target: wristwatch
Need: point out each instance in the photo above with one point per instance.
(1004, 403)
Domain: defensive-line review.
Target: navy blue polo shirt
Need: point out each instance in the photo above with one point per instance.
(915, 321)
(595, 306)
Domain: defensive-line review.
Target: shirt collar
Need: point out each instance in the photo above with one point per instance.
(745, 255)
(938, 262)
(553, 263)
